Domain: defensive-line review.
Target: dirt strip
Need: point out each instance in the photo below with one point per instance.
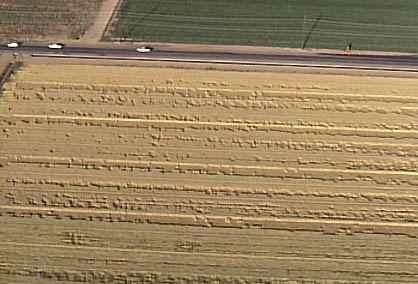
(96, 31)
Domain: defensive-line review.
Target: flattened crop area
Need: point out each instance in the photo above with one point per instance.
(159, 175)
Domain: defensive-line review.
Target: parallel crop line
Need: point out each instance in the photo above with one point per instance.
(209, 123)
(412, 225)
(148, 251)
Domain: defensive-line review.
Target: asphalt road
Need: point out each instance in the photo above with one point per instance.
(372, 61)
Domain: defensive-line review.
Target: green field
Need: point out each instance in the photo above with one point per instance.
(390, 25)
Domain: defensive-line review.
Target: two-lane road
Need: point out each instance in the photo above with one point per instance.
(127, 53)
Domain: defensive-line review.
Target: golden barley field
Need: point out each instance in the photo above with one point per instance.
(166, 175)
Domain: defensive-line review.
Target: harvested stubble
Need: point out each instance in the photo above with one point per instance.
(191, 176)
(44, 19)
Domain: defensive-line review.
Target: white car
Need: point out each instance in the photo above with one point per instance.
(144, 49)
(55, 46)
(13, 44)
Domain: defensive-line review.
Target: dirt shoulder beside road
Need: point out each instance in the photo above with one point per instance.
(96, 31)
(222, 67)
(236, 49)
(259, 49)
